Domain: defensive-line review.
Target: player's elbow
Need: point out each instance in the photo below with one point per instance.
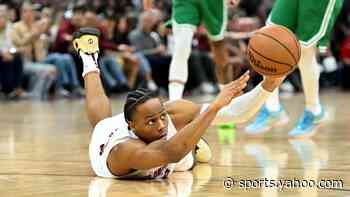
(175, 154)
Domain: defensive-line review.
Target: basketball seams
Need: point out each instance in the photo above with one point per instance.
(279, 42)
(255, 51)
(261, 71)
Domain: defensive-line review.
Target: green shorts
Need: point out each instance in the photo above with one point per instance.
(212, 13)
(312, 21)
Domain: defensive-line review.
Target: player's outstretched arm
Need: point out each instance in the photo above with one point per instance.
(135, 154)
(244, 107)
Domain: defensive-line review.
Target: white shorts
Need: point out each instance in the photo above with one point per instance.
(106, 134)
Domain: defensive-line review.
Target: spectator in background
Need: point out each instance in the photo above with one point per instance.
(71, 21)
(11, 65)
(67, 73)
(341, 44)
(68, 25)
(26, 36)
(345, 60)
(112, 65)
(120, 37)
(144, 40)
(150, 43)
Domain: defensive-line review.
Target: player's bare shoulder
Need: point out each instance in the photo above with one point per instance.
(182, 111)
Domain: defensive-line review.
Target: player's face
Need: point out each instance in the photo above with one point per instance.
(150, 121)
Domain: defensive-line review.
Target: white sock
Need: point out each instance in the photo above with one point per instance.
(89, 63)
(175, 90)
(273, 102)
(310, 74)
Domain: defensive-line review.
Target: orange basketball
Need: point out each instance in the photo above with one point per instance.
(273, 51)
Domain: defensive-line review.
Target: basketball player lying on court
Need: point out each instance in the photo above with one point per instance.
(152, 139)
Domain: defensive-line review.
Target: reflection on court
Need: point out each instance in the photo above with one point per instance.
(44, 152)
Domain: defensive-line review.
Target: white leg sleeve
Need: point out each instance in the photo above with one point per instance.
(244, 107)
(183, 41)
(310, 74)
(273, 102)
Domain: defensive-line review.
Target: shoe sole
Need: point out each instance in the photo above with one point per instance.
(307, 135)
(320, 123)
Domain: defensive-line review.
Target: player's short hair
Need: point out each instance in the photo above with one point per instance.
(134, 99)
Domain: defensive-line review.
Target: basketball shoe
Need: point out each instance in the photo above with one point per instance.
(266, 120)
(202, 151)
(85, 42)
(308, 124)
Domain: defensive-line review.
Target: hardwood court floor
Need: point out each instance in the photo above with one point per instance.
(44, 152)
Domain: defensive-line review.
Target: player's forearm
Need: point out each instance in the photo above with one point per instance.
(244, 107)
(186, 139)
(97, 103)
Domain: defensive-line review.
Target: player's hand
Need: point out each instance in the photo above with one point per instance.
(271, 83)
(230, 91)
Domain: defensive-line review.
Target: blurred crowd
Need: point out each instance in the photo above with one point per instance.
(37, 60)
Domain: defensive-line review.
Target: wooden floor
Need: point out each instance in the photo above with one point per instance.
(44, 152)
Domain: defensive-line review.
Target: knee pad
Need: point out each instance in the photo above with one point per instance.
(182, 50)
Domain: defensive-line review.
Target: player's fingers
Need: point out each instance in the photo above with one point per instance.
(239, 93)
(242, 79)
(238, 88)
(245, 76)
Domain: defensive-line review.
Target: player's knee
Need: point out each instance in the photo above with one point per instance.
(182, 49)
(308, 64)
(178, 72)
(183, 41)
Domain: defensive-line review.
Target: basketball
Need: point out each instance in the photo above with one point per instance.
(273, 51)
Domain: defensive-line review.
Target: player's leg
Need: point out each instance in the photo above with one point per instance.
(185, 20)
(323, 22)
(215, 21)
(272, 114)
(97, 104)
(325, 13)
(310, 78)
